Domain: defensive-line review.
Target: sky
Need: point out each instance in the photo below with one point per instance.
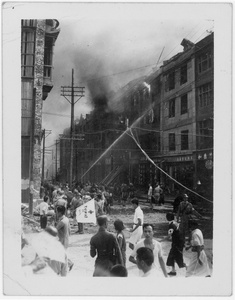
(107, 48)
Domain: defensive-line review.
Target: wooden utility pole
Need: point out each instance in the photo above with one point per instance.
(72, 91)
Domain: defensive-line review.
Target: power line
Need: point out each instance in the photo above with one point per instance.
(146, 155)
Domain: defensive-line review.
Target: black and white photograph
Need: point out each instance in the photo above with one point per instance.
(117, 148)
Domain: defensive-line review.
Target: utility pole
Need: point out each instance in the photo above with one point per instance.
(72, 91)
(56, 142)
(43, 152)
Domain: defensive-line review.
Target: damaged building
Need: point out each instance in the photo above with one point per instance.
(170, 113)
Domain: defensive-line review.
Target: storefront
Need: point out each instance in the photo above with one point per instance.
(204, 173)
(182, 169)
(148, 172)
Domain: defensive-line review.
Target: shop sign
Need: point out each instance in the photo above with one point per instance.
(157, 160)
(205, 155)
(181, 158)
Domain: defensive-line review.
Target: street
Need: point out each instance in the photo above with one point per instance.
(79, 244)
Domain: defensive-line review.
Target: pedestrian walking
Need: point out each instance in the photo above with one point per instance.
(162, 196)
(106, 201)
(131, 192)
(155, 246)
(56, 262)
(184, 214)
(176, 252)
(43, 210)
(150, 194)
(75, 203)
(98, 205)
(104, 245)
(156, 193)
(177, 201)
(118, 225)
(198, 265)
(137, 230)
(124, 191)
(63, 228)
(60, 202)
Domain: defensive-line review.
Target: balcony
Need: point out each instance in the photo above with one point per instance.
(47, 80)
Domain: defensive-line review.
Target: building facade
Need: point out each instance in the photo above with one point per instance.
(170, 113)
(204, 84)
(37, 41)
(178, 117)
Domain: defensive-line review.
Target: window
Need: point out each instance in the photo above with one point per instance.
(48, 57)
(205, 95)
(171, 141)
(206, 134)
(29, 23)
(184, 104)
(184, 140)
(204, 61)
(27, 53)
(170, 81)
(172, 108)
(25, 156)
(183, 74)
(158, 86)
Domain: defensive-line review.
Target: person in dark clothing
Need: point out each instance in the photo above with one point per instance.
(104, 244)
(176, 252)
(177, 201)
(162, 196)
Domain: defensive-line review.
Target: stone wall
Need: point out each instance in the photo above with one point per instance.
(38, 85)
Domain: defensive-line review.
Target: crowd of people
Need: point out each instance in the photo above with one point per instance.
(110, 249)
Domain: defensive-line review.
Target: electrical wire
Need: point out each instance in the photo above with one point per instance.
(160, 169)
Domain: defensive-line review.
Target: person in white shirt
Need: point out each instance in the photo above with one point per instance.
(198, 264)
(156, 193)
(150, 194)
(43, 210)
(137, 230)
(155, 246)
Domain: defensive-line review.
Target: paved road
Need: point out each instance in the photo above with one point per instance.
(79, 247)
(78, 252)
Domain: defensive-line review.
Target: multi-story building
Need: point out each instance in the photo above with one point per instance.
(178, 122)
(204, 84)
(37, 41)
